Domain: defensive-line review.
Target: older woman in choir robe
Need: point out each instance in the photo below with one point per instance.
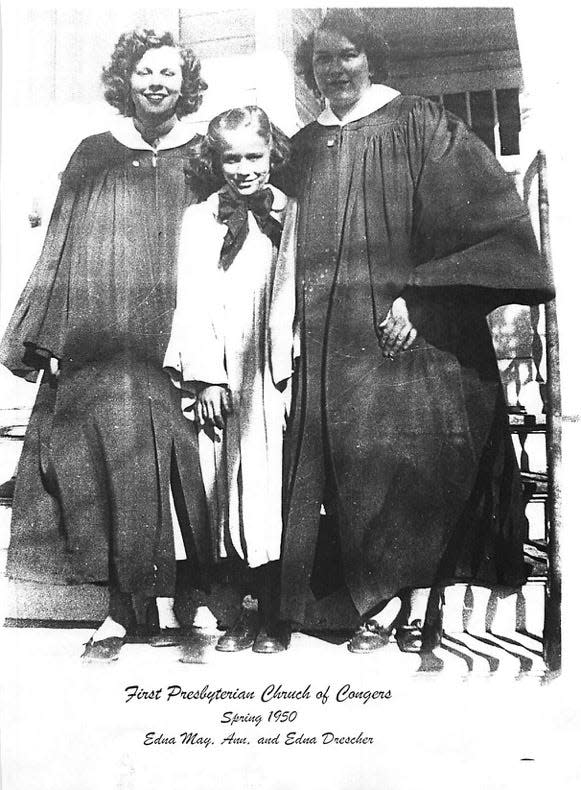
(409, 234)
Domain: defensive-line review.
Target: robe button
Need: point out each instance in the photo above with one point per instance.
(135, 163)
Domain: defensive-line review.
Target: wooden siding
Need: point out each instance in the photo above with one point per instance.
(457, 73)
(218, 33)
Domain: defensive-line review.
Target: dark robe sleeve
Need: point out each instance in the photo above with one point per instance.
(472, 230)
(37, 327)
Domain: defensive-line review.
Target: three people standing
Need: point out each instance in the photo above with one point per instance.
(409, 234)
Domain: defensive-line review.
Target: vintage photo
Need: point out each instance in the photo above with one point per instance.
(288, 411)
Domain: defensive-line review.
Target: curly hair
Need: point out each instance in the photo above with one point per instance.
(348, 23)
(204, 173)
(129, 50)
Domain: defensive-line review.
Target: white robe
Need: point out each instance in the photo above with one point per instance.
(235, 327)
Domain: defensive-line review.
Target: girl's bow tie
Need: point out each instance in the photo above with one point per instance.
(233, 212)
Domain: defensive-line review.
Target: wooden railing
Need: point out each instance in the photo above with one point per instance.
(551, 396)
(552, 630)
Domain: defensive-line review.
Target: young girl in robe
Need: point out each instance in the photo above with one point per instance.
(231, 354)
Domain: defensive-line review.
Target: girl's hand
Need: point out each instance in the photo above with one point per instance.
(54, 367)
(213, 405)
(397, 331)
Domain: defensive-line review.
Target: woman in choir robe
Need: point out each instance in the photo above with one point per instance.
(107, 454)
(409, 234)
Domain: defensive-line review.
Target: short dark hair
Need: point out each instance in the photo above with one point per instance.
(129, 50)
(350, 24)
(204, 174)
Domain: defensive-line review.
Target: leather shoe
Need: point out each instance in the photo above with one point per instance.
(273, 638)
(242, 634)
(418, 637)
(369, 636)
(104, 651)
(409, 637)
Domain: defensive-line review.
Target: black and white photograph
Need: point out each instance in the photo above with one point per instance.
(289, 397)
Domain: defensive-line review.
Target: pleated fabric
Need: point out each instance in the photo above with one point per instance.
(107, 439)
(412, 458)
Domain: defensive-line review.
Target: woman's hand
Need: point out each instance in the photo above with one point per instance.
(213, 405)
(397, 331)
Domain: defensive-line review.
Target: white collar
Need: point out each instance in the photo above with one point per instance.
(374, 98)
(124, 131)
(278, 204)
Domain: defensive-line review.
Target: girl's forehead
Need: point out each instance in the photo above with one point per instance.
(160, 57)
(243, 137)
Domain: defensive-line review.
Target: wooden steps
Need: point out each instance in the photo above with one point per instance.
(487, 632)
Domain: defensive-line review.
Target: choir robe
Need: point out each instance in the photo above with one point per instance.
(411, 458)
(107, 438)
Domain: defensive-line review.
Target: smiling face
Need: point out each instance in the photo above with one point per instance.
(156, 83)
(245, 160)
(341, 70)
